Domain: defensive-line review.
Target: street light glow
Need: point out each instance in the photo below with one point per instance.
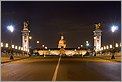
(10, 28)
(45, 47)
(30, 37)
(101, 48)
(81, 46)
(12, 46)
(104, 47)
(87, 44)
(107, 47)
(114, 28)
(19, 47)
(37, 41)
(42, 45)
(110, 46)
(94, 37)
(116, 45)
(1, 44)
(78, 47)
(15, 47)
(6, 45)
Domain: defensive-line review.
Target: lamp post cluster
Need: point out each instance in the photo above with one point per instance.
(86, 46)
(11, 29)
(43, 48)
(12, 49)
(117, 45)
(110, 49)
(113, 29)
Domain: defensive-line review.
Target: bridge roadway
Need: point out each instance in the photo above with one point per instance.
(61, 69)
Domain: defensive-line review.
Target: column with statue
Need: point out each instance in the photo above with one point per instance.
(97, 37)
(25, 37)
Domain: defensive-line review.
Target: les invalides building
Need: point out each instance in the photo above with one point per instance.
(61, 50)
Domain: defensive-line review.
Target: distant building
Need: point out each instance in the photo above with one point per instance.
(62, 43)
(61, 50)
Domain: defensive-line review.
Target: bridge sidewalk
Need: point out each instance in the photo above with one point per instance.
(108, 57)
(6, 59)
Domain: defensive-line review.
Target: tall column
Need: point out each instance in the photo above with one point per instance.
(97, 37)
(25, 36)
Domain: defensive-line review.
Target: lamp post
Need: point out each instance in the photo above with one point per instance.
(37, 46)
(81, 46)
(43, 50)
(45, 54)
(1, 48)
(11, 29)
(37, 43)
(78, 50)
(87, 44)
(113, 29)
(75, 51)
(29, 50)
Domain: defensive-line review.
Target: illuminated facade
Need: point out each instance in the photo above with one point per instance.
(25, 36)
(97, 37)
(58, 51)
(61, 50)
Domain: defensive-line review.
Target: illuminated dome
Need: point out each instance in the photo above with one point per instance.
(62, 43)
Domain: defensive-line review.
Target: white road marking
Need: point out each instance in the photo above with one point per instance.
(56, 70)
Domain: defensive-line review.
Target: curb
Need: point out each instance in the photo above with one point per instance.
(109, 59)
(14, 60)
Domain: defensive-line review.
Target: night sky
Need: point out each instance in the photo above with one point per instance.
(50, 19)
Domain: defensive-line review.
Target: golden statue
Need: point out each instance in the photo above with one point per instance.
(25, 25)
(97, 26)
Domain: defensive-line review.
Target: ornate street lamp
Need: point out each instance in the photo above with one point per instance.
(113, 29)
(11, 29)
(43, 50)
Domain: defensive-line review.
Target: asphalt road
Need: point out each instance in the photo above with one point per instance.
(60, 69)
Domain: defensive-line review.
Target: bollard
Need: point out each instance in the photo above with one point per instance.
(113, 57)
(11, 57)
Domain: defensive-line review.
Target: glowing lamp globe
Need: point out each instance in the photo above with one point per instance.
(114, 28)
(10, 28)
